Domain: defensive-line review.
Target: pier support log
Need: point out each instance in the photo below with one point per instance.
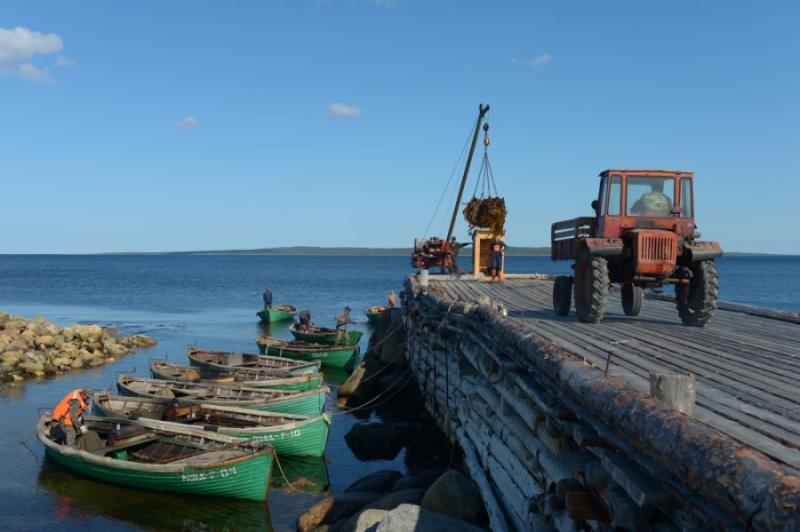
(553, 442)
(675, 390)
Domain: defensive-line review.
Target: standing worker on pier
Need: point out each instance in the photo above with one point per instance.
(496, 259)
(69, 416)
(267, 297)
(304, 320)
(342, 320)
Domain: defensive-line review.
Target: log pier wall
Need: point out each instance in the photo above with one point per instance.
(556, 442)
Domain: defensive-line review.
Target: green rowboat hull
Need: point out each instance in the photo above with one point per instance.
(325, 338)
(274, 315)
(374, 317)
(309, 404)
(296, 385)
(344, 358)
(247, 479)
(307, 438)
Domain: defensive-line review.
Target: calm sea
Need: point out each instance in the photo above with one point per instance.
(211, 301)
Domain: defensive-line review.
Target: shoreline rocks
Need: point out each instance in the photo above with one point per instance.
(36, 348)
(444, 502)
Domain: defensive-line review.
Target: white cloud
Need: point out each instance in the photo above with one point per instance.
(63, 61)
(19, 45)
(341, 109)
(187, 122)
(534, 62)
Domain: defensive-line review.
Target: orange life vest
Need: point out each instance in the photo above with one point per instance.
(61, 412)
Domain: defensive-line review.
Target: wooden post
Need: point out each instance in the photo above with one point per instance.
(676, 390)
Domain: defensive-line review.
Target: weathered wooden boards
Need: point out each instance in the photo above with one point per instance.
(551, 439)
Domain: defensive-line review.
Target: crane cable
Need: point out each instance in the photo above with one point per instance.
(485, 179)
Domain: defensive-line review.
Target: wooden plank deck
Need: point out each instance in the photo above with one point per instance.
(747, 368)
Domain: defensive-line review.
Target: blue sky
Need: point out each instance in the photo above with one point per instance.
(188, 125)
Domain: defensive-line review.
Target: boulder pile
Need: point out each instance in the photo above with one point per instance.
(37, 348)
(430, 501)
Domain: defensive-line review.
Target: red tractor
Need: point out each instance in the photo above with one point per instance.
(643, 235)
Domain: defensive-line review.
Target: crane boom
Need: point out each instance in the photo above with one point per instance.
(482, 110)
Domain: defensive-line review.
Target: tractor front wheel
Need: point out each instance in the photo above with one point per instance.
(631, 299)
(591, 287)
(562, 295)
(697, 301)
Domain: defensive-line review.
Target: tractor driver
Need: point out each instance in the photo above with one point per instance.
(654, 202)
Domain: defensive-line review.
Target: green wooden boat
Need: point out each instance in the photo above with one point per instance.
(152, 455)
(255, 367)
(161, 369)
(323, 335)
(277, 313)
(374, 314)
(288, 434)
(165, 511)
(331, 356)
(307, 403)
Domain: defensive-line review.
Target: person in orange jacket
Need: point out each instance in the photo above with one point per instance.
(68, 417)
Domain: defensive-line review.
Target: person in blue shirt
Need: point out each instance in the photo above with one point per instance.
(496, 259)
(267, 297)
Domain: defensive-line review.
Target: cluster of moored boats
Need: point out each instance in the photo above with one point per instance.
(215, 426)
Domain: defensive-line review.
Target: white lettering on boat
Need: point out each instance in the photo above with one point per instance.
(289, 434)
(209, 475)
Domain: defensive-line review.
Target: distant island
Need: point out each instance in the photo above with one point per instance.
(518, 251)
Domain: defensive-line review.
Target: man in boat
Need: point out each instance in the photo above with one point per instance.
(392, 301)
(304, 320)
(342, 320)
(267, 297)
(68, 417)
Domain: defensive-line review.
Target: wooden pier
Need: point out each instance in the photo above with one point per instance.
(560, 431)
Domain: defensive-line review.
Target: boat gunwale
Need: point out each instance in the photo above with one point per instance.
(299, 420)
(266, 383)
(271, 341)
(282, 394)
(286, 368)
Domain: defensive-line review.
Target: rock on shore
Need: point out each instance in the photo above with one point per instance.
(38, 348)
(380, 501)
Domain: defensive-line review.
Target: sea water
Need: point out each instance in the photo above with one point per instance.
(211, 301)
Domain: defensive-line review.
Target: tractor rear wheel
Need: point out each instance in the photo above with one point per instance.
(591, 287)
(631, 299)
(562, 295)
(697, 301)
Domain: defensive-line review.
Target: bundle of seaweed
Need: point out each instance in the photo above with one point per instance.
(489, 213)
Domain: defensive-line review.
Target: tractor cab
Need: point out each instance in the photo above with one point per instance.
(644, 199)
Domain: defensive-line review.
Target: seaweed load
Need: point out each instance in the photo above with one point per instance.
(488, 213)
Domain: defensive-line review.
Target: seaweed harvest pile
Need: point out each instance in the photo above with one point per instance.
(489, 213)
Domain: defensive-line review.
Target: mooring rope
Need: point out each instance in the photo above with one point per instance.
(367, 403)
(283, 475)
